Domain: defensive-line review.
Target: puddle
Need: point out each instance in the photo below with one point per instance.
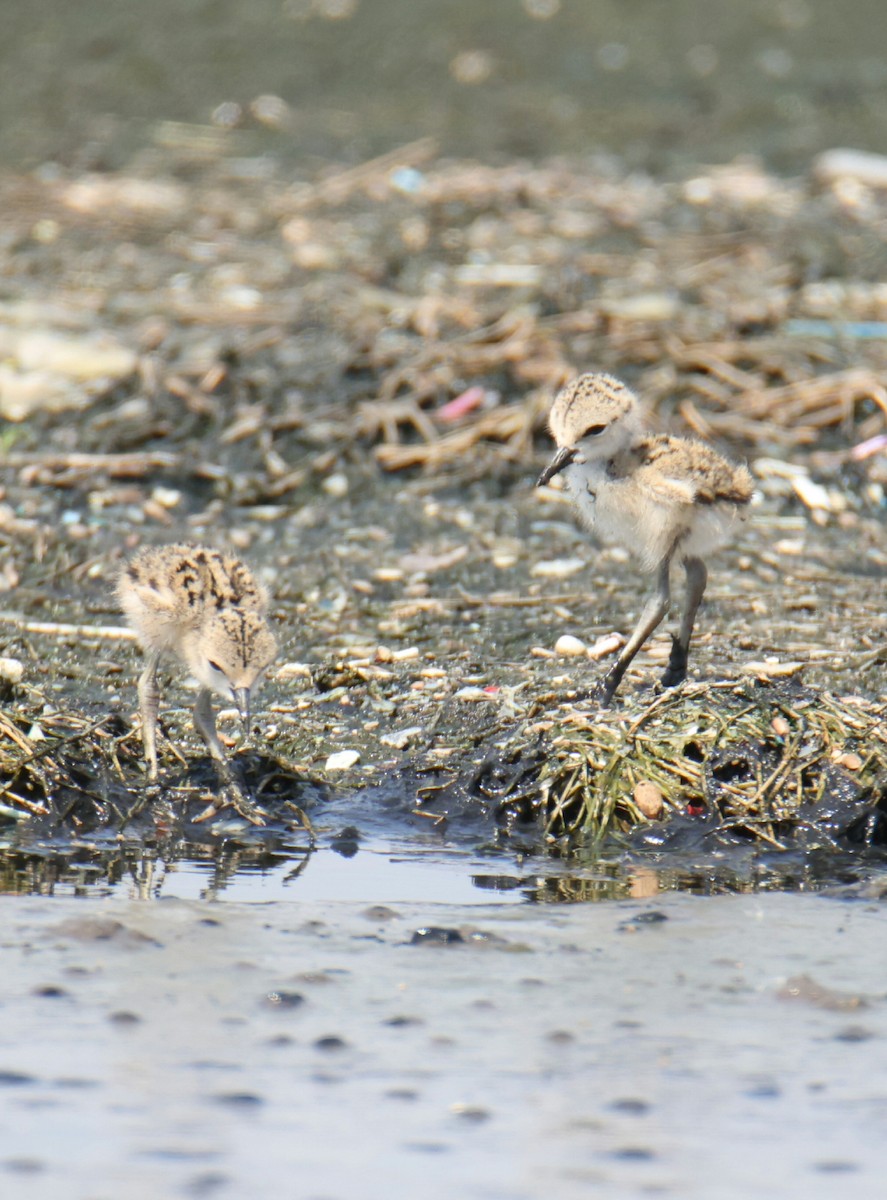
(377, 875)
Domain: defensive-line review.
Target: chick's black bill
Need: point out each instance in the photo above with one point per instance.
(562, 459)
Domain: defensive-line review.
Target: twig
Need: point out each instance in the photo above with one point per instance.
(336, 188)
(114, 633)
(118, 466)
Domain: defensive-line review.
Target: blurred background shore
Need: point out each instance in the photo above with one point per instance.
(658, 82)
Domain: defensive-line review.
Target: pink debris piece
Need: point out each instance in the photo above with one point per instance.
(462, 405)
(866, 449)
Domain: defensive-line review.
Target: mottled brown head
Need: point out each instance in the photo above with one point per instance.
(230, 652)
(593, 417)
(589, 406)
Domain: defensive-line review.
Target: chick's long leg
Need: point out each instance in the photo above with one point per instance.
(653, 613)
(697, 576)
(231, 791)
(149, 706)
(205, 724)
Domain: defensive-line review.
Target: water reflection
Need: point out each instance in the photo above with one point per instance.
(378, 872)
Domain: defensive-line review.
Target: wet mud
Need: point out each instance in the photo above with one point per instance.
(386, 1049)
(345, 380)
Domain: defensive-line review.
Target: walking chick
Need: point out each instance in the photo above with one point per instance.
(664, 498)
(208, 611)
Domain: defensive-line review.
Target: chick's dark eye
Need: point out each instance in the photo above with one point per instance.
(594, 431)
(214, 666)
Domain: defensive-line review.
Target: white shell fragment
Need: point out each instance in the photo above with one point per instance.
(76, 356)
(865, 168)
(402, 738)
(342, 760)
(649, 306)
(11, 670)
(557, 568)
(44, 371)
(772, 668)
(569, 646)
(336, 485)
(472, 693)
(815, 496)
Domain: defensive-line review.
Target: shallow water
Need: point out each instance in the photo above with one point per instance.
(380, 873)
(307, 1047)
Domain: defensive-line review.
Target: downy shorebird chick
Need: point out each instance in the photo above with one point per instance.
(208, 610)
(662, 497)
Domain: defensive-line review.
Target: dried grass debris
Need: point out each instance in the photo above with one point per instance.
(764, 762)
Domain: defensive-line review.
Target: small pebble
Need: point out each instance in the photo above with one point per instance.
(470, 1112)
(634, 1154)
(780, 727)
(336, 485)
(281, 1001)
(330, 1043)
(854, 1033)
(293, 670)
(241, 1100)
(124, 1018)
(436, 935)
(569, 646)
(379, 912)
(850, 761)
(560, 1037)
(166, 497)
(651, 917)
(789, 547)
(648, 798)
(504, 559)
(631, 1107)
(11, 670)
(608, 644)
(342, 760)
(23, 1165)
(812, 494)
(272, 111)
